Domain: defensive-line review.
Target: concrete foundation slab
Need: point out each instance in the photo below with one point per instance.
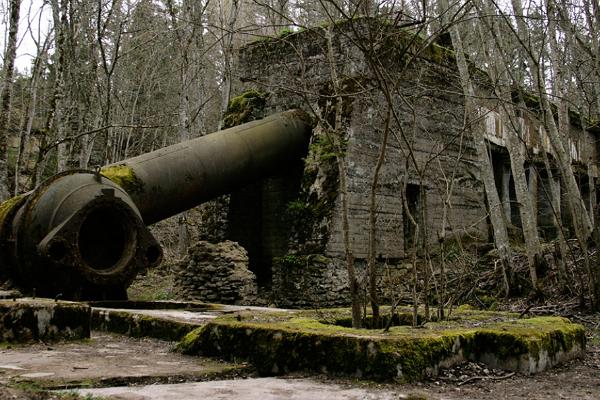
(107, 360)
(248, 389)
(27, 319)
(10, 294)
(320, 341)
(166, 320)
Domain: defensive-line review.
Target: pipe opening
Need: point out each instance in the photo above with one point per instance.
(152, 254)
(104, 238)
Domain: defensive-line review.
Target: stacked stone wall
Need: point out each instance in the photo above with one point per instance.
(216, 273)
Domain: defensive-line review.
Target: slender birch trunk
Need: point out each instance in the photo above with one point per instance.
(38, 65)
(5, 95)
(59, 16)
(228, 36)
(516, 147)
(342, 171)
(487, 173)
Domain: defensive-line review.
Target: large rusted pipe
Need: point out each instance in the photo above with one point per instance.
(83, 234)
(173, 179)
(77, 235)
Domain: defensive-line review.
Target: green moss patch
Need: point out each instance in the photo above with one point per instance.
(9, 206)
(244, 108)
(124, 176)
(277, 343)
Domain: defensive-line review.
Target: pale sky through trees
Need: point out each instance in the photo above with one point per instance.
(35, 20)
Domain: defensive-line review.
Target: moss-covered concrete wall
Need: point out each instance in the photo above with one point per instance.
(427, 99)
(430, 159)
(278, 343)
(295, 71)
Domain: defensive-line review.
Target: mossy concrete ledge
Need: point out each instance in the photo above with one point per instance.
(404, 354)
(150, 319)
(28, 320)
(137, 325)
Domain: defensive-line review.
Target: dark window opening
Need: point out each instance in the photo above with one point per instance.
(515, 215)
(505, 185)
(583, 181)
(413, 203)
(547, 207)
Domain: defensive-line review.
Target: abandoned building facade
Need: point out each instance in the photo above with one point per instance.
(429, 175)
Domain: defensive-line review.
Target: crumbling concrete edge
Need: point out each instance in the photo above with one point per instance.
(137, 325)
(25, 320)
(231, 372)
(527, 346)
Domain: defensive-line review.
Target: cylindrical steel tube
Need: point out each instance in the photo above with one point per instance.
(83, 235)
(79, 235)
(173, 179)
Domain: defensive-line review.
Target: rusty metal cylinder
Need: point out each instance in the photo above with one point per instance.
(78, 235)
(173, 179)
(83, 234)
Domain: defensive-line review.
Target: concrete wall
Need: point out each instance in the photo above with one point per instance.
(293, 223)
(296, 71)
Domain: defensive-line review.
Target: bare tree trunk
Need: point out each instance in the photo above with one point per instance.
(29, 114)
(109, 28)
(592, 14)
(487, 173)
(342, 171)
(371, 262)
(59, 16)
(352, 279)
(450, 182)
(552, 193)
(414, 252)
(228, 56)
(581, 220)
(5, 95)
(516, 148)
(185, 35)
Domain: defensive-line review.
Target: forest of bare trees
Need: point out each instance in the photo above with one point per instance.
(110, 79)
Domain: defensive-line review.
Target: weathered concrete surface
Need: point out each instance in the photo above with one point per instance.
(166, 320)
(26, 319)
(278, 341)
(104, 360)
(10, 294)
(249, 389)
(314, 341)
(159, 324)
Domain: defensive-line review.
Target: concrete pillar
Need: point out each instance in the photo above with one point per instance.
(533, 188)
(592, 197)
(505, 191)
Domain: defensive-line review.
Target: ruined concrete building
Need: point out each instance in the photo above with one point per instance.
(291, 224)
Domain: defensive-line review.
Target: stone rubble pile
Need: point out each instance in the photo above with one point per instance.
(217, 273)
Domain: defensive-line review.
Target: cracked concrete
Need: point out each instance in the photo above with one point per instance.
(107, 359)
(248, 389)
